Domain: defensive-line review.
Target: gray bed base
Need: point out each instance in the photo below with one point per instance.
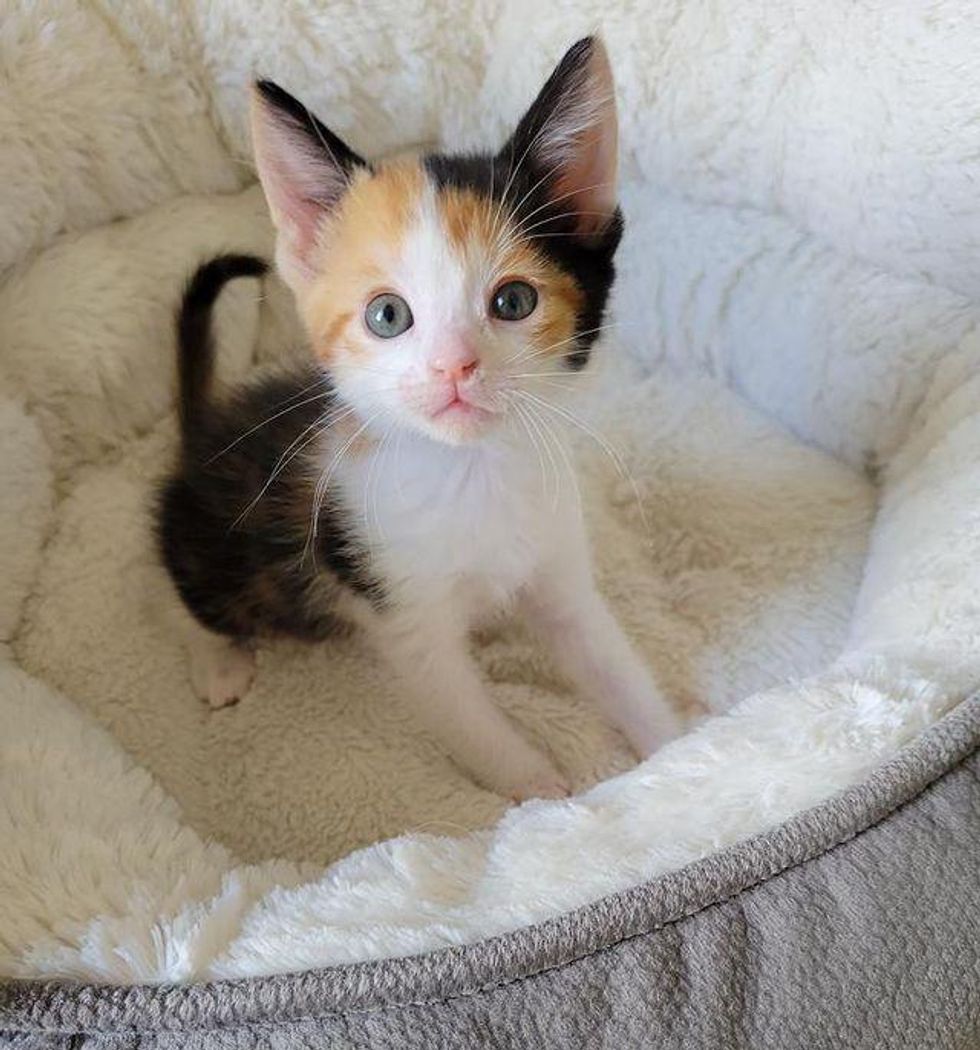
(854, 925)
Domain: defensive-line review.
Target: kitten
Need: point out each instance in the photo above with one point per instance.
(395, 482)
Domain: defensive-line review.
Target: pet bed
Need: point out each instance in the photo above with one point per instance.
(788, 526)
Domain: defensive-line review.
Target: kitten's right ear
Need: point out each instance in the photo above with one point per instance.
(569, 136)
(304, 169)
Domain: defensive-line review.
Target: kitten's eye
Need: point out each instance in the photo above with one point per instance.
(388, 315)
(513, 301)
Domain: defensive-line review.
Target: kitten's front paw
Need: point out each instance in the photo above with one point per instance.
(223, 678)
(550, 786)
(537, 780)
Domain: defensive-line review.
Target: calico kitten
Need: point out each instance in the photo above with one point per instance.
(396, 481)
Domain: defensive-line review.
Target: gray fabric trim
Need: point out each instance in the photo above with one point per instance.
(459, 973)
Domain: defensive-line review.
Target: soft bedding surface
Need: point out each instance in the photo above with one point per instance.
(792, 387)
(721, 529)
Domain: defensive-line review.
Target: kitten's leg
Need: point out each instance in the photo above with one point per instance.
(591, 650)
(221, 668)
(432, 661)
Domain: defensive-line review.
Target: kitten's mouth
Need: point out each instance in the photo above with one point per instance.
(458, 407)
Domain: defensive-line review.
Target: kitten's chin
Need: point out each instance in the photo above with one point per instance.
(460, 423)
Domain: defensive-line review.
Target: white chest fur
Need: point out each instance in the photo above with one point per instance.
(470, 523)
(458, 533)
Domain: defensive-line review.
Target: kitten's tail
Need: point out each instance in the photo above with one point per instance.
(195, 340)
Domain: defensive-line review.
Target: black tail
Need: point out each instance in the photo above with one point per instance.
(195, 343)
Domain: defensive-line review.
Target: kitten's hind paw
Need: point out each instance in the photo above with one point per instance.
(222, 676)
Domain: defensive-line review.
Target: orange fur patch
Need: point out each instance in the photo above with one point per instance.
(355, 247)
(359, 243)
(470, 221)
(476, 231)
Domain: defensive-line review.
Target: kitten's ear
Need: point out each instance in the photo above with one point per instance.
(304, 169)
(570, 131)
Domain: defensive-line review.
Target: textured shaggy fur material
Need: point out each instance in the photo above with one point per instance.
(794, 308)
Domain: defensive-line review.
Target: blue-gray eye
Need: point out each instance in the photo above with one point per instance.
(388, 315)
(513, 301)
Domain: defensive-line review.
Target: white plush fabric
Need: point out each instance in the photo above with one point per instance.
(796, 286)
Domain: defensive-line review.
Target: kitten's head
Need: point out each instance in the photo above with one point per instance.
(441, 292)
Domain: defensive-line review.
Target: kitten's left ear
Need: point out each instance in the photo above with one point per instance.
(304, 169)
(570, 131)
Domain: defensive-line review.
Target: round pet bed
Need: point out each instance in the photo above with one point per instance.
(788, 528)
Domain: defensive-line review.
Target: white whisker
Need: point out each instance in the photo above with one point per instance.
(517, 167)
(525, 230)
(323, 484)
(522, 418)
(562, 196)
(373, 481)
(292, 450)
(602, 442)
(556, 438)
(528, 353)
(533, 419)
(266, 422)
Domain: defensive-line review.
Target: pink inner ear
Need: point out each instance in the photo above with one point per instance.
(296, 215)
(300, 185)
(588, 173)
(590, 181)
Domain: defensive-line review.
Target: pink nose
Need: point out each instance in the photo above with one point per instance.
(457, 365)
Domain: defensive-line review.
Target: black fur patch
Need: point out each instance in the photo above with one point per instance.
(516, 178)
(589, 261)
(246, 572)
(310, 127)
(194, 337)
(238, 555)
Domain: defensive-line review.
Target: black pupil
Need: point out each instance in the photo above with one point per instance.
(388, 313)
(509, 303)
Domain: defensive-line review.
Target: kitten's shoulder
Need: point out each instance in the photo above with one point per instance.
(266, 412)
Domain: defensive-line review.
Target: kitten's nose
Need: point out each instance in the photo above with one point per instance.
(457, 364)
